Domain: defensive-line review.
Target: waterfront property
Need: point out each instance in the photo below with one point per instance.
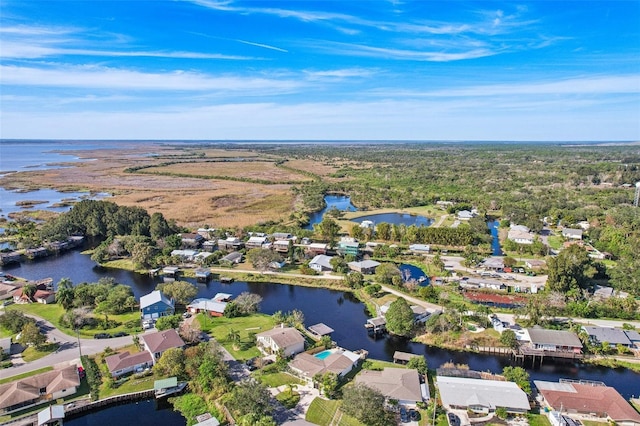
(281, 246)
(364, 267)
(321, 263)
(214, 306)
(124, 363)
(40, 388)
(403, 357)
(520, 236)
(481, 396)
(41, 295)
(255, 242)
(321, 329)
(287, 339)
(612, 336)
(403, 385)
(593, 399)
(155, 305)
(317, 248)
(232, 258)
(348, 246)
(158, 343)
(376, 325)
(51, 415)
(337, 360)
(554, 341)
(230, 243)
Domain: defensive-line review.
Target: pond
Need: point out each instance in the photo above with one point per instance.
(396, 219)
(412, 272)
(341, 202)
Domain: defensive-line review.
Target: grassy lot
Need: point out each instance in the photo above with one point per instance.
(53, 312)
(22, 376)
(593, 423)
(131, 385)
(124, 264)
(555, 242)
(275, 379)
(5, 333)
(288, 399)
(322, 412)
(247, 327)
(32, 353)
(538, 420)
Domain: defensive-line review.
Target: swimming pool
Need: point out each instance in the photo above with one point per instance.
(323, 354)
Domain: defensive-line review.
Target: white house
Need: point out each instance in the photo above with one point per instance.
(288, 339)
(481, 396)
(321, 263)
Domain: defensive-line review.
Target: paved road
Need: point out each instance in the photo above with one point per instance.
(67, 353)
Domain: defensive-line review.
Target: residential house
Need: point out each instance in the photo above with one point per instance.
(159, 342)
(230, 243)
(495, 263)
(52, 415)
(634, 337)
(572, 234)
(124, 363)
(287, 339)
(11, 257)
(155, 305)
(321, 263)
(420, 248)
(7, 288)
(232, 258)
(364, 267)
(481, 396)
(346, 247)
(400, 384)
(281, 246)
(43, 295)
(554, 340)
(466, 215)
(185, 255)
(171, 271)
(210, 246)
(48, 386)
(535, 264)
(191, 240)
(339, 361)
(587, 398)
(321, 329)
(34, 253)
(612, 336)
(255, 242)
(317, 248)
(520, 237)
(207, 233)
(214, 306)
(282, 236)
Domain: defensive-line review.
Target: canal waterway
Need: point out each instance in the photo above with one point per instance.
(338, 309)
(141, 413)
(493, 226)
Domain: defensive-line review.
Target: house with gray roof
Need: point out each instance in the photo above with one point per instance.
(400, 384)
(156, 305)
(364, 267)
(612, 336)
(287, 339)
(572, 234)
(554, 340)
(481, 396)
(321, 263)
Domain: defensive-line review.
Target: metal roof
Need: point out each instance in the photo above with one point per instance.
(462, 392)
(165, 383)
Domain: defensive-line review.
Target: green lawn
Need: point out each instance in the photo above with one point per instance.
(288, 399)
(555, 242)
(53, 312)
(593, 423)
(275, 379)
(5, 333)
(131, 385)
(22, 376)
(246, 326)
(32, 353)
(322, 411)
(539, 420)
(374, 364)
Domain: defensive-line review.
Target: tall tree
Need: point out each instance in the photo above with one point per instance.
(182, 292)
(262, 258)
(400, 318)
(570, 270)
(366, 405)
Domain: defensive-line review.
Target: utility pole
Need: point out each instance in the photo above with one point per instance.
(637, 197)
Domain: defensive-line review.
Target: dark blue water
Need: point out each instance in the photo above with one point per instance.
(396, 219)
(411, 272)
(495, 241)
(341, 202)
(338, 309)
(142, 413)
(8, 199)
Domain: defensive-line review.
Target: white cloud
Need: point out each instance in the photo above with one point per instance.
(111, 78)
(403, 54)
(265, 46)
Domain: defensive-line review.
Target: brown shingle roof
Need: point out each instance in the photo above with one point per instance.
(394, 383)
(28, 389)
(126, 360)
(603, 400)
(162, 340)
(309, 365)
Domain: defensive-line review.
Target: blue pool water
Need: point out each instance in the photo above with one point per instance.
(323, 354)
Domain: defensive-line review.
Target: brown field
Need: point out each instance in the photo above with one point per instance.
(258, 170)
(190, 202)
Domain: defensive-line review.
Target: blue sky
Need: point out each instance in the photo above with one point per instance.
(300, 70)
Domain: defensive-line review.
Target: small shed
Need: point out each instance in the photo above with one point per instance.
(51, 415)
(403, 357)
(321, 329)
(163, 384)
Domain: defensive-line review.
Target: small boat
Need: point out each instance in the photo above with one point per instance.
(226, 280)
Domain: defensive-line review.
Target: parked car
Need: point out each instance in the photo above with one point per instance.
(404, 416)
(101, 336)
(186, 315)
(453, 419)
(120, 334)
(414, 415)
